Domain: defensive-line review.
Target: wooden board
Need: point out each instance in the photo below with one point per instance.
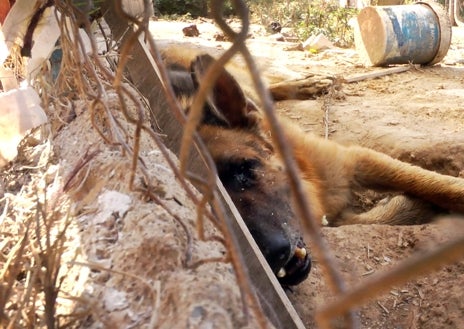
(142, 73)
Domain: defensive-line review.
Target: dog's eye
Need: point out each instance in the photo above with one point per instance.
(238, 175)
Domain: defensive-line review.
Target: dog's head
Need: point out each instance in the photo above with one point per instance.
(252, 173)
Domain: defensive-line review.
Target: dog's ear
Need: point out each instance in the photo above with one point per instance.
(227, 102)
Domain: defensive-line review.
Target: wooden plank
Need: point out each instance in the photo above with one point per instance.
(377, 74)
(141, 71)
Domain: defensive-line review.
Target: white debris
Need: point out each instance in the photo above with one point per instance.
(109, 203)
(115, 300)
(317, 43)
(20, 111)
(324, 221)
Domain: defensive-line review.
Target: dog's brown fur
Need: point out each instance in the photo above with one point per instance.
(330, 172)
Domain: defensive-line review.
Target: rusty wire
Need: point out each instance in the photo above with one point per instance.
(238, 45)
(189, 136)
(347, 299)
(117, 135)
(310, 223)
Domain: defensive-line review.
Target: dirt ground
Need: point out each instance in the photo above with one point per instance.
(416, 116)
(133, 262)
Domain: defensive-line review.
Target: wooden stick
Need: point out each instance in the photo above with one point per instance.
(377, 74)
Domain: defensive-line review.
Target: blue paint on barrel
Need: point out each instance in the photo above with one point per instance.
(404, 34)
(416, 34)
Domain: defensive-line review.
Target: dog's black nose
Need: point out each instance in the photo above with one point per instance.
(290, 269)
(277, 251)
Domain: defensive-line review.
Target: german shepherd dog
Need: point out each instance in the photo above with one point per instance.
(238, 138)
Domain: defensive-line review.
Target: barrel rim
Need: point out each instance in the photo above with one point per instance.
(444, 25)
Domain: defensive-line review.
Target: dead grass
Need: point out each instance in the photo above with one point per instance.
(35, 217)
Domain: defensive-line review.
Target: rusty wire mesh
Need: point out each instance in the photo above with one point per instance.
(347, 300)
(92, 80)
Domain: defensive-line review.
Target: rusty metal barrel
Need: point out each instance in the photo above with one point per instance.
(419, 33)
